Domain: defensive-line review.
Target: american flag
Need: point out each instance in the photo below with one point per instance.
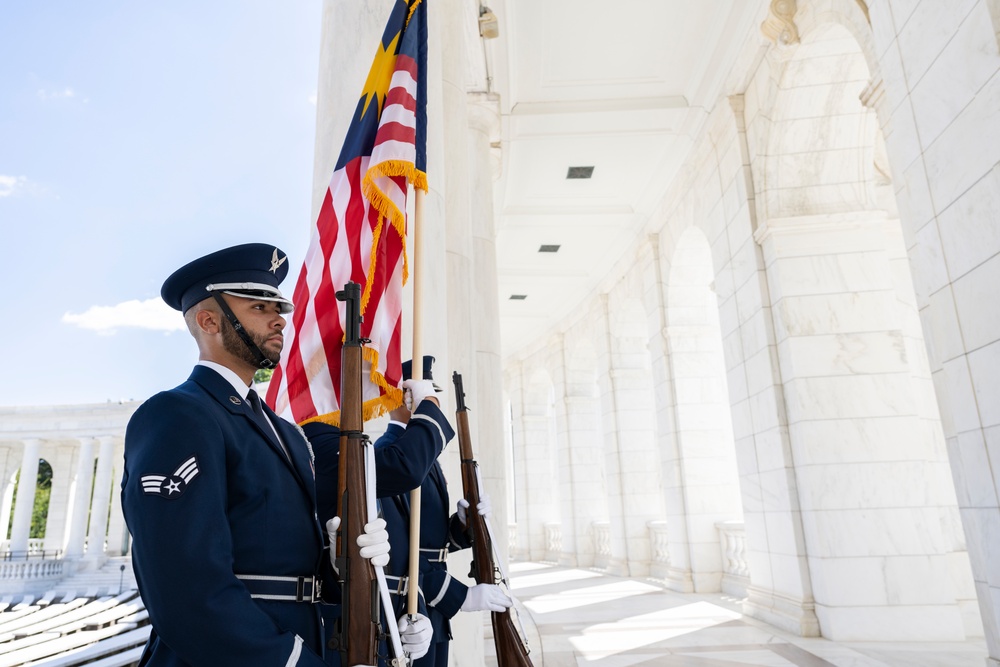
(360, 236)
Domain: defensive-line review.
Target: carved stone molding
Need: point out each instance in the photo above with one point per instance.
(779, 26)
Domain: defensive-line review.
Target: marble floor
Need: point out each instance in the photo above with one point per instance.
(575, 617)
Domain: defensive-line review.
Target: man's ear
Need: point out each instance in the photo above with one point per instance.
(208, 321)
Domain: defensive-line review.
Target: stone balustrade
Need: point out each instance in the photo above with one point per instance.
(735, 570)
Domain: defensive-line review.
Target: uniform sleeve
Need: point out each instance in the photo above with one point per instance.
(404, 456)
(458, 537)
(443, 592)
(174, 498)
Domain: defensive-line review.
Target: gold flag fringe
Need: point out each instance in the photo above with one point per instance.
(374, 407)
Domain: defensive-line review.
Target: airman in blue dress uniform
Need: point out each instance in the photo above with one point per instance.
(399, 468)
(440, 534)
(218, 491)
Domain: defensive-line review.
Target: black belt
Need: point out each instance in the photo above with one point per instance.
(285, 589)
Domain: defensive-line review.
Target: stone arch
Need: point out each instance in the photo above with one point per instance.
(701, 482)
(820, 148)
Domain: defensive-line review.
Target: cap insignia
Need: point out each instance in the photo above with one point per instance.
(275, 262)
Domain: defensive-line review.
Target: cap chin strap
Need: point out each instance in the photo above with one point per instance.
(262, 361)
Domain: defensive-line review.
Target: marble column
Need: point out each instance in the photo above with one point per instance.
(539, 474)
(25, 504)
(117, 530)
(585, 500)
(59, 497)
(81, 498)
(7, 490)
(869, 476)
(101, 499)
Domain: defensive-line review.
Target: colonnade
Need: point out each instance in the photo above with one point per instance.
(83, 445)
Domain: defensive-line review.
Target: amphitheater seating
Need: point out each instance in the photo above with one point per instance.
(70, 629)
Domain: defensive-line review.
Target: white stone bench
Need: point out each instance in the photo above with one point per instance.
(23, 624)
(60, 645)
(13, 645)
(109, 647)
(119, 659)
(63, 622)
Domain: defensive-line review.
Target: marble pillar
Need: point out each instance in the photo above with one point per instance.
(59, 497)
(118, 538)
(867, 474)
(25, 504)
(101, 499)
(80, 506)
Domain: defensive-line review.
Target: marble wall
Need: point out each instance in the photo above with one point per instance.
(844, 191)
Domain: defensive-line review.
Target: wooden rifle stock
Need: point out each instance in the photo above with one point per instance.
(511, 650)
(358, 632)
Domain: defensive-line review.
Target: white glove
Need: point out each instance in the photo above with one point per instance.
(462, 508)
(331, 530)
(415, 635)
(374, 543)
(486, 597)
(418, 391)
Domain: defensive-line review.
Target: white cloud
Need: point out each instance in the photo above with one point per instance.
(65, 93)
(312, 99)
(11, 184)
(149, 314)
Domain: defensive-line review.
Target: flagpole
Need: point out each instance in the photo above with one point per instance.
(416, 363)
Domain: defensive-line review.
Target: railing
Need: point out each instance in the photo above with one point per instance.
(553, 541)
(600, 532)
(35, 549)
(659, 548)
(735, 570)
(31, 569)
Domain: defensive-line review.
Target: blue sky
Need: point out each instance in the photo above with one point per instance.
(135, 137)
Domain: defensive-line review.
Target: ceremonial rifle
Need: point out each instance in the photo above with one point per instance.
(512, 650)
(358, 632)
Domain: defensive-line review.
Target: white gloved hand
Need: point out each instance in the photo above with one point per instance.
(418, 391)
(483, 508)
(331, 530)
(486, 597)
(415, 635)
(374, 543)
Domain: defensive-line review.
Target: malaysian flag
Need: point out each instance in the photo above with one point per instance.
(360, 236)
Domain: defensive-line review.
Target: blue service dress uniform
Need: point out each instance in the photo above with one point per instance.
(209, 496)
(440, 533)
(399, 468)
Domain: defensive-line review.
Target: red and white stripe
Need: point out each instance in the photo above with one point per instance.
(306, 384)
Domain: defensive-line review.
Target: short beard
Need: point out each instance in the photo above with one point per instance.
(233, 344)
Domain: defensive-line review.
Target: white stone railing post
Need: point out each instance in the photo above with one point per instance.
(659, 548)
(735, 569)
(601, 533)
(553, 542)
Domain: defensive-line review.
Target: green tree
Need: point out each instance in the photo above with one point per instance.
(262, 375)
(42, 492)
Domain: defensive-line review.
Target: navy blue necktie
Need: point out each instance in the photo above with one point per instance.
(254, 401)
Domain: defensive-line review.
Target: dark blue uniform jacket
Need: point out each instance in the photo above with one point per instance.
(208, 494)
(439, 531)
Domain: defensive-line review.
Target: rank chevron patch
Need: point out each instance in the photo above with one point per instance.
(171, 486)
